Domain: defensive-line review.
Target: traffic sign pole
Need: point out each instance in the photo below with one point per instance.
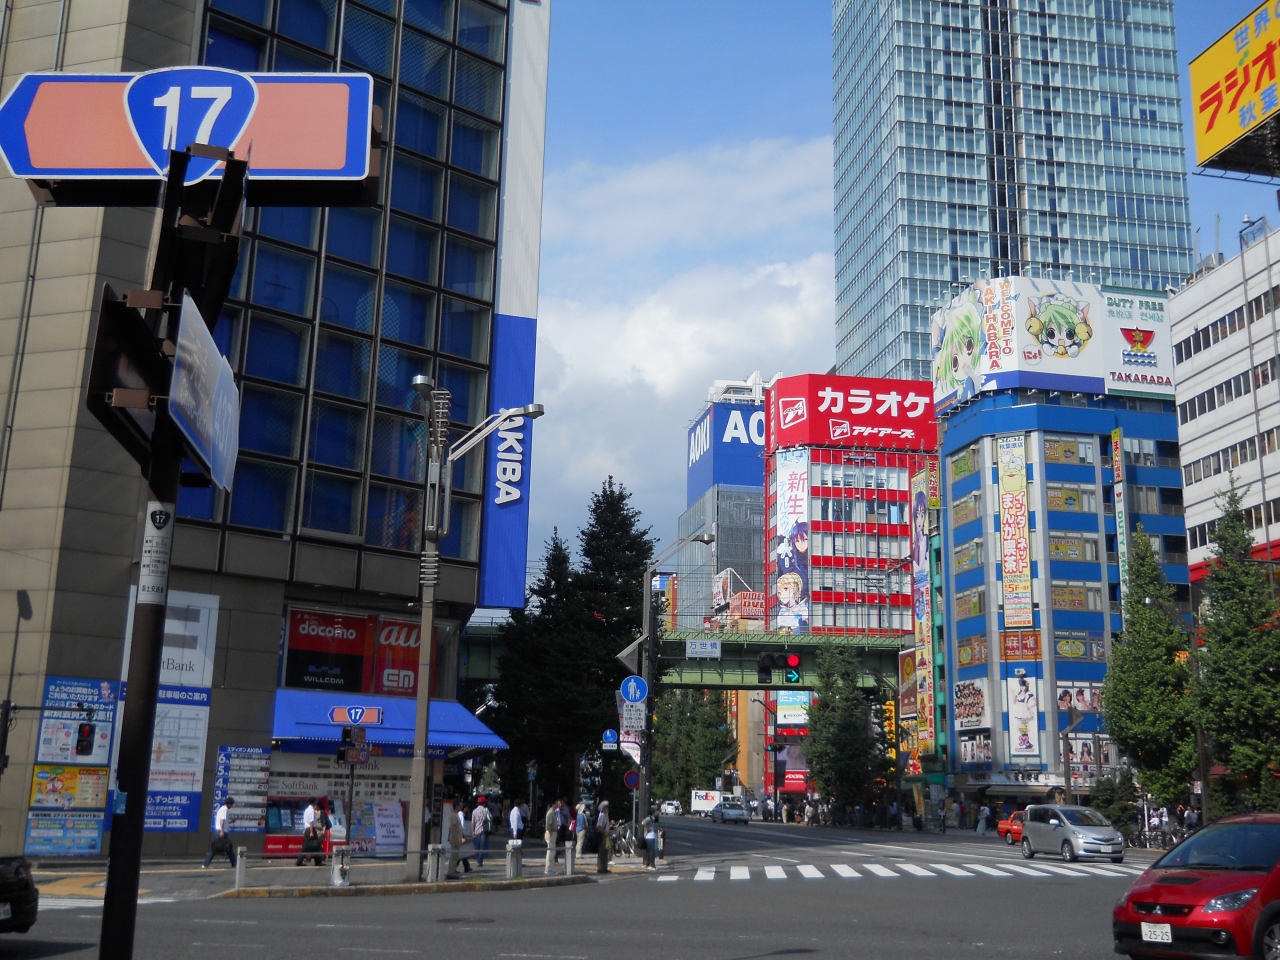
(181, 264)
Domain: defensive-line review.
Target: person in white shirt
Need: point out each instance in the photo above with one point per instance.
(312, 834)
(517, 822)
(481, 823)
(221, 842)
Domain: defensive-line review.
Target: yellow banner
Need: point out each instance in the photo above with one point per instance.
(1234, 84)
(65, 787)
(1015, 533)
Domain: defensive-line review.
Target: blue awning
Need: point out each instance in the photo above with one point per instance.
(317, 715)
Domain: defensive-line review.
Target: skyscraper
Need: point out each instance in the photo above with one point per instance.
(980, 138)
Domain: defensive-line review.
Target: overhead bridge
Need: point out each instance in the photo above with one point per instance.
(737, 667)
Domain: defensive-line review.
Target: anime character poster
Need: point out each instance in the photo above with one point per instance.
(922, 610)
(1024, 716)
(959, 348)
(791, 541)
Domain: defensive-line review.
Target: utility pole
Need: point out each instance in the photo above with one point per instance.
(6, 708)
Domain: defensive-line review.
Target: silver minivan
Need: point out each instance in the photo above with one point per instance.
(1074, 833)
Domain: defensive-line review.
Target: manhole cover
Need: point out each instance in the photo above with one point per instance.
(465, 920)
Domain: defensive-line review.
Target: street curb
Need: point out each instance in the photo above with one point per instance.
(396, 889)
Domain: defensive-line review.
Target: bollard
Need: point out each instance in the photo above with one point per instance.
(240, 852)
(662, 844)
(340, 875)
(436, 863)
(515, 859)
(568, 857)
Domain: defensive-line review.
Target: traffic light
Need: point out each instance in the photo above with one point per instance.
(788, 663)
(84, 739)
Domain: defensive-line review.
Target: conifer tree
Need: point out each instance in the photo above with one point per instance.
(1149, 708)
(847, 749)
(1240, 660)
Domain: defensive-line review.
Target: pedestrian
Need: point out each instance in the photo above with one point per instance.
(517, 822)
(221, 842)
(464, 821)
(481, 826)
(895, 816)
(579, 830)
(649, 828)
(602, 828)
(551, 826)
(984, 814)
(312, 834)
(457, 841)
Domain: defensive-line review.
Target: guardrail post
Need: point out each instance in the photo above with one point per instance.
(568, 857)
(240, 866)
(435, 863)
(340, 874)
(515, 859)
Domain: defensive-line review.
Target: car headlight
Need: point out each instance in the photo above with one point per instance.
(1124, 899)
(1229, 901)
(1077, 834)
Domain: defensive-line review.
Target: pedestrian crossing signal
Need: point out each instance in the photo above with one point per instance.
(84, 739)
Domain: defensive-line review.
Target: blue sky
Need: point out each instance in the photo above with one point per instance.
(688, 227)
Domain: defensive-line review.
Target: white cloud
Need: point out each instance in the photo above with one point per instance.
(658, 279)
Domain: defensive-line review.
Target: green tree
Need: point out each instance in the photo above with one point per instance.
(692, 739)
(1240, 661)
(1116, 798)
(848, 747)
(1150, 710)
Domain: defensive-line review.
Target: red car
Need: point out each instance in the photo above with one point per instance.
(1011, 829)
(1216, 894)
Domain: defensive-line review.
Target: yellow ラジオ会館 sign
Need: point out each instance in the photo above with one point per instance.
(1234, 86)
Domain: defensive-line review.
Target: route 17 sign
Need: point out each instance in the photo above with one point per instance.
(121, 126)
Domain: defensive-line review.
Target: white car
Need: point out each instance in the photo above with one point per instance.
(672, 808)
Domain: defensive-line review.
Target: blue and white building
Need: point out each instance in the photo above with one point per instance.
(1036, 522)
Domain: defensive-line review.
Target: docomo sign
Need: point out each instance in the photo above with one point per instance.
(815, 410)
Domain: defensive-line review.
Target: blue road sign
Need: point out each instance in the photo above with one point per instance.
(634, 689)
(203, 400)
(610, 736)
(175, 107)
(631, 780)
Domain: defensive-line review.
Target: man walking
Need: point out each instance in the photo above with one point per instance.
(984, 814)
(602, 827)
(649, 828)
(481, 825)
(312, 834)
(221, 842)
(551, 824)
(579, 831)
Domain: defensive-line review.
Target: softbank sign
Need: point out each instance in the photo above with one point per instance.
(726, 445)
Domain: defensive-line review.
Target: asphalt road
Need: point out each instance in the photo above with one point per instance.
(728, 893)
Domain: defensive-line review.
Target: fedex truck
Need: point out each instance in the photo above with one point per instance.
(703, 801)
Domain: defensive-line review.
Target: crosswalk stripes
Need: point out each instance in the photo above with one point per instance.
(86, 903)
(878, 870)
(890, 871)
(916, 869)
(1026, 871)
(989, 871)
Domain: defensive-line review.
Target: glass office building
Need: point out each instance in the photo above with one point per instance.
(982, 138)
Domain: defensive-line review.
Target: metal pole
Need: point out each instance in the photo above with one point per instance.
(6, 708)
(648, 672)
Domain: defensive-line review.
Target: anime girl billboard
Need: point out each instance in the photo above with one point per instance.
(958, 349)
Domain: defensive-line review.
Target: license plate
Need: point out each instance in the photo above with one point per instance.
(1157, 933)
(6, 911)
(1107, 849)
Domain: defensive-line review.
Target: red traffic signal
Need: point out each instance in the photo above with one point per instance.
(84, 739)
(789, 663)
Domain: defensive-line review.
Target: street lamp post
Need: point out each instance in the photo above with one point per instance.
(6, 708)
(437, 496)
(1202, 765)
(649, 666)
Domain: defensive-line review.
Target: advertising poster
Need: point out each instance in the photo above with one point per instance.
(971, 707)
(1122, 516)
(746, 605)
(935, 483)
(975, 748)
(174, 788)
(1015, 532)
(396, 648)
(793, 709)
(922, 611)
(1085, 697)
(791, 542)
(909, 745)
(326, 650)
(70, 833)
(1024, 716)
(388, 823)
(966, 509)
(1050, 335)
(1020, 645)
(792, 758)
(65, 700)
(907, 683)
(245, 774)
(1228, 107)
(1079, 645)
(972, 651)
(58, 787)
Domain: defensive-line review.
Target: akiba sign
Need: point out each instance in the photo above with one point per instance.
(725, 446)
(504, 535)
(863, 412)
